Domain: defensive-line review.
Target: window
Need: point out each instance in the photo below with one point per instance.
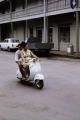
(6, 41)
(14, 41)
(64, 33)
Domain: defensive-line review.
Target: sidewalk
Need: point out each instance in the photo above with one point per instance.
(65, 54)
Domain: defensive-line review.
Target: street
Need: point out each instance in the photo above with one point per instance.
(58, 100)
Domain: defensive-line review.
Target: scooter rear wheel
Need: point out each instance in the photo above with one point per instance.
(39, 84)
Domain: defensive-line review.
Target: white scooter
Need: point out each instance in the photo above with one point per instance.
(36, 77)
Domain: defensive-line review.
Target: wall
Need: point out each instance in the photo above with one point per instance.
(73, 35)
(55, 37)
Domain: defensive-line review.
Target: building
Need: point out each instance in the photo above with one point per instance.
(54, 21)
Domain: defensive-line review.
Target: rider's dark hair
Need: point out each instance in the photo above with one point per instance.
(23, 44)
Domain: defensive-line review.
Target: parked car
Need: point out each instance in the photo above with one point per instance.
(9, 44)
(36, 45)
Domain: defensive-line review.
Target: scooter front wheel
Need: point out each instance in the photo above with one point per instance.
(39, 84)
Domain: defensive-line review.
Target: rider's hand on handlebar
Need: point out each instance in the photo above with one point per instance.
(36, 59)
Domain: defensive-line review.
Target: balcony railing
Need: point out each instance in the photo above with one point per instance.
(58, 5)
(34, 10)
(28, 12)
(5, 17)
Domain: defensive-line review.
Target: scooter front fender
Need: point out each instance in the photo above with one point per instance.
(38, 77)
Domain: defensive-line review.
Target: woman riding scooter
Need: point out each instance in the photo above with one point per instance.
(26, 56)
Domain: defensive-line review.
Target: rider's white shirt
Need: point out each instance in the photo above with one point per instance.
(17, 55)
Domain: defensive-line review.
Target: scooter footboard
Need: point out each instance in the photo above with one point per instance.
(18, 74)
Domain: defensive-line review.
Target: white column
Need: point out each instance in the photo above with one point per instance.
(12, 34)
(26, 20)
(0, 32)
(45, 23)
(77, 27)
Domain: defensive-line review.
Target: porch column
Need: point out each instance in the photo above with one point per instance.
(12, 34)
(77, 26)
(26, 34)
(0, 32)
(45, 23)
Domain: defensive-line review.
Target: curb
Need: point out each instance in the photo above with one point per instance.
(74, 56)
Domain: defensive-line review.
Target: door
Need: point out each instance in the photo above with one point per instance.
(63, 37)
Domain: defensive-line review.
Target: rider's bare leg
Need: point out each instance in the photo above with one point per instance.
(22, 70)
(27, 71)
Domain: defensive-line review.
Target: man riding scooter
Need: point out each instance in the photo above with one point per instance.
(18, 59)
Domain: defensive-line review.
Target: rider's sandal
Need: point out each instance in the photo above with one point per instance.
(23, 78)
(27, 78)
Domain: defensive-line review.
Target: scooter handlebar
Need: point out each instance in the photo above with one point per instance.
(34, 60)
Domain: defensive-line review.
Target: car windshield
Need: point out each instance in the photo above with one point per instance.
(15, 41)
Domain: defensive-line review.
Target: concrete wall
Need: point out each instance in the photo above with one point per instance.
(55, 37)
(73, 35)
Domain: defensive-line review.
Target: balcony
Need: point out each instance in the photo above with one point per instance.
(36, 11)
(28, 13)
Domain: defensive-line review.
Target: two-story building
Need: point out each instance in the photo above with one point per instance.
(50, 20)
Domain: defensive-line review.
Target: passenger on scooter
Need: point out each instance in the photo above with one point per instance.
(26, 56)
(18, 60)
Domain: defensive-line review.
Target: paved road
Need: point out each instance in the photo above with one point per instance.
(59, 100)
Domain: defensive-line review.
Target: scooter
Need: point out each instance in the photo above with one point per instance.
(36, 77)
